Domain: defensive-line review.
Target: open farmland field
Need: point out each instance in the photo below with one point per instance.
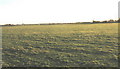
(66, 45)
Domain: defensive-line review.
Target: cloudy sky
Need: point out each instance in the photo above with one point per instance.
(48, 11)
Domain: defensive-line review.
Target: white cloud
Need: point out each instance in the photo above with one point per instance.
(38, 11)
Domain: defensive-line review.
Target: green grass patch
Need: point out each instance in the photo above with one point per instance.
(67, 45)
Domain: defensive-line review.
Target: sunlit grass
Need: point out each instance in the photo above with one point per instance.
(67, 45)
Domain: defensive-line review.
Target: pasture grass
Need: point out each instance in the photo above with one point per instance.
(67, 45)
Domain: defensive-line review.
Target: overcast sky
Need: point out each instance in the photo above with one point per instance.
(48, 11)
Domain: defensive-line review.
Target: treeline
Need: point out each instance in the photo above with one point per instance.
(108, 21)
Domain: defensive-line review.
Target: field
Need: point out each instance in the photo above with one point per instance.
(66, 45)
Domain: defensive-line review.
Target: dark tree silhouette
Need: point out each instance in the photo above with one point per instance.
(111, 20)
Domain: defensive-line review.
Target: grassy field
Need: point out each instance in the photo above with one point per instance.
(67, 45)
